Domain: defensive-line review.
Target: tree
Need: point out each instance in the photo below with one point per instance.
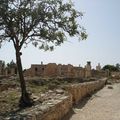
(10, 66)
(111, 68)
(2, 67)
(44, 23)
(118, 66)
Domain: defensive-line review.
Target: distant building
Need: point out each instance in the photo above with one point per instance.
(49, 70)
(88, 69)
(54, 70)
(98, 67)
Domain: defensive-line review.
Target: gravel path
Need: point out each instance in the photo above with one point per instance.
(104, 105)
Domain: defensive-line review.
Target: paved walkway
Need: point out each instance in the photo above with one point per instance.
(104, 105)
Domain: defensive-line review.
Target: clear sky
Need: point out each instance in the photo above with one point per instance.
(102, 21)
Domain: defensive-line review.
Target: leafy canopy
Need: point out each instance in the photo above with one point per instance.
(110, 68)
(118, 66)
(44, 23)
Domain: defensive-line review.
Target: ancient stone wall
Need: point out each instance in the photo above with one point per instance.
(56, 109)
(50, 70)
(115, 74)
(81, 90)
(54, 70)
(88, 70)
(99, 74)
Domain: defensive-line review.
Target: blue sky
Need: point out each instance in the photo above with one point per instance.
(102, 21)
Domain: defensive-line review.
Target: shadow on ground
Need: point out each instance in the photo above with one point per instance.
(79, 106)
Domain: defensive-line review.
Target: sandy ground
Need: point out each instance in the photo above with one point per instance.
(104, 105)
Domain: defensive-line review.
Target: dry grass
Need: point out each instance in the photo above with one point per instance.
(9, 98)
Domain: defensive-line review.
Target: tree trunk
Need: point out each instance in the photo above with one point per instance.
(25, 100)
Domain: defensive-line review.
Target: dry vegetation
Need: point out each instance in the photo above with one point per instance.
(10, 90)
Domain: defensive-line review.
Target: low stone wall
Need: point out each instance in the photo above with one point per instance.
(81, 90)
(56, 109)
(59, 110)
(53, 109)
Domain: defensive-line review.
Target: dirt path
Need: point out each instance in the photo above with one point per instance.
(104, 105)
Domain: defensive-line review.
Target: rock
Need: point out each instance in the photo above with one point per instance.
(109, 83)
(35, 98)
(110, 87)
(59, 91)
(42, 95)
(50, 91)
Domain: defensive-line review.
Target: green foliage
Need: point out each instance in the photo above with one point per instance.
(110, 68)
(118, 66)
(11, 64)
(44, 23)
(2, 64)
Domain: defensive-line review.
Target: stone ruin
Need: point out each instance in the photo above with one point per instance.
(65, 71)
(8, 70)
(55, 70)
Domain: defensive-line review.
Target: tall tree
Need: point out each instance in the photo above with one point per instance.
(44, 23)
(118, 66)
(111, 68)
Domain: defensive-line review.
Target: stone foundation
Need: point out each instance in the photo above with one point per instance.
(81, 90)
